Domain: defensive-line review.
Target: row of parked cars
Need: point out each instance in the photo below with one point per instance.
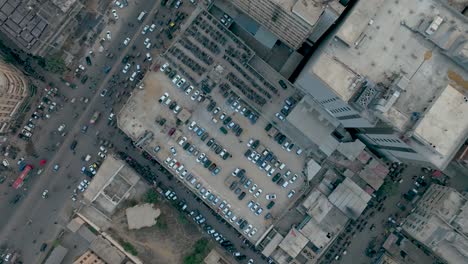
(227, 121)
(181, 83)
(288, 105)
(43, 110)
(241, 107)
(200, 219)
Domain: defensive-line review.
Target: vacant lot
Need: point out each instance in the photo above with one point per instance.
(172, 238)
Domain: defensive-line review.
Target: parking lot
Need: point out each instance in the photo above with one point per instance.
(145, 113)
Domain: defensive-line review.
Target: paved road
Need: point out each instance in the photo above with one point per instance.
(34, 220)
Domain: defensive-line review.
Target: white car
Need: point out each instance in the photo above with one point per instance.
(102, 155)
(248, 229)
(254, 187)
(270, 196)
(280, 116)
(152, 27)
(81, 67)
(195, 95)
(145, 30)
(257, 194)
(192, 125)
(148, 57)
(126, 68)
(189, 90)
(293, 179)
(182, 141)
(163, 97)
(45, 194)
(108, 35)
(176, 79)
(254, 231)
(147, 40)
(291, 193)
(173, 151)
(201, 157)
(132, 78)
(126, 41)
(61, 127)
(114, 13)
(164, 67)
(119, 4)
(148, 46)
(181, 82)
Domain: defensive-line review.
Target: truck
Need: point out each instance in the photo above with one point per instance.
(141, 16)
(94, 118)
(24, 174)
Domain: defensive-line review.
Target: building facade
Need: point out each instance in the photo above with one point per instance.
(13, 90)
(293, 22)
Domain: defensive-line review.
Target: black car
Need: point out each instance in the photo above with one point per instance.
(15, 199)
(43, 247)
(280, 181)
(88, 61)
(276, 177)
(233, 185)
(227, 120)
(247, 153)
(241, 196)
(210, 142)
(73, 145)
(270, 205)
(283, 84)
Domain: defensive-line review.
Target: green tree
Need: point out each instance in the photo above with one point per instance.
(55, 64)
(151, 196)
(200, 249)
(129, 248)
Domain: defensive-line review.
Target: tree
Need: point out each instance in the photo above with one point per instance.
(55, 64)
(151, 196)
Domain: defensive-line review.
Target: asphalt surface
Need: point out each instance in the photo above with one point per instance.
(25, 225)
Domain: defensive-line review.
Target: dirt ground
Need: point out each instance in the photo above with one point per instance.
(166, 242)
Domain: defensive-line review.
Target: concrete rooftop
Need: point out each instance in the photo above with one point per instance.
(445, 124)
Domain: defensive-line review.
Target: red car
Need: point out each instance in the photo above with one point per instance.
(171, 132)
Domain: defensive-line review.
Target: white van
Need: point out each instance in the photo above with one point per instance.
(141, 16)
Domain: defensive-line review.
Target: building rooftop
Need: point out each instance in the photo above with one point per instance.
(293, 243)
(57, 255)
(111, 184)
(140, 216)
(440, 222)
(106, 251)
(350, 198)
(311, 10)
(315, 123)
(444, 125)
(423, 42)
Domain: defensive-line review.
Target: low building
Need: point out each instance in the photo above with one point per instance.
(57, 255)
(112, 184)
(13, 90)
(89, 258)
(140, 216)
(106, 251)
(307, 241)
(214, 257)
(350, 198)
(38, 26)
(440, 222)
(401, 250)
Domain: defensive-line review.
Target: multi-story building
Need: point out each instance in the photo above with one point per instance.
(395, 71)
(13, 90)
(293, 21)
(440, 222)
(38, 26)
(89, 258)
